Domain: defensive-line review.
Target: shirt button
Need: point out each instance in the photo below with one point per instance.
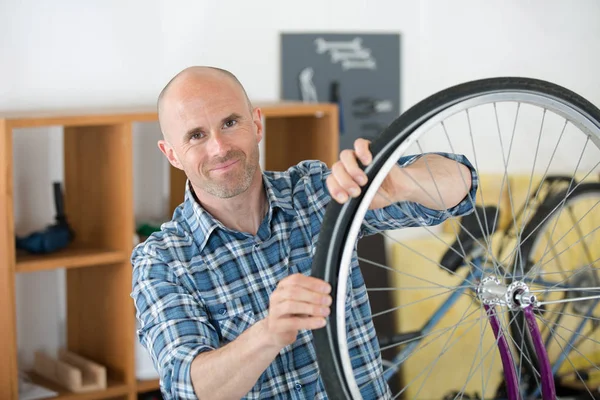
(298, 386)
(223, 311)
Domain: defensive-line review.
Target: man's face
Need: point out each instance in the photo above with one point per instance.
(214, 137)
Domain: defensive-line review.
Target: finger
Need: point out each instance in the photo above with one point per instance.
(361, 147)
(308, 282)
(336, 191)
(344, 179)
(288, 308)
(296, 323)
(348, 158)
(302, 294)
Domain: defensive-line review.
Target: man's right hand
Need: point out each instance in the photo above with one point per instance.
(298, 302)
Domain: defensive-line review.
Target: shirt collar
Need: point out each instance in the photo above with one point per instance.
(202, 224)
(277, 198)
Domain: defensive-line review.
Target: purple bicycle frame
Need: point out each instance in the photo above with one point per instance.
(508, 364)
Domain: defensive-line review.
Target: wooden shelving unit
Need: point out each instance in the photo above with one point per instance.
(98, 187)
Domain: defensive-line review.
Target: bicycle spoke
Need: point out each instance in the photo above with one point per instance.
(395, 289)
(444, 349)
(482, 328)
(556, 256)
(556, 321)
(487, 246)
(575, 223)
(572, 331)
(442, 330)
(584, 298)
(398, 363)
(573, 315)
(570, 289)
(472, 201)
(570, 246)
(569, 231)
(540, 185)
(483, 356)
(502, 312)
(476, 162)
(389, 310)
(435, 361)
(524, 352)
(570, 362)
(519, 257)
(550, 213)
(509, 190)
(400, 272)
(505, 162)
(564, 201)
(577, 272)
(463, 255)
(429, 259)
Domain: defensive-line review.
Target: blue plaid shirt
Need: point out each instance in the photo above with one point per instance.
(198, 285)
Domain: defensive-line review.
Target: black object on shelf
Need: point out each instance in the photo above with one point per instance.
(154, 395)
(53, 237)
(335, 97)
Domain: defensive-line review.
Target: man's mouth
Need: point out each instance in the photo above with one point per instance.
(224, 166)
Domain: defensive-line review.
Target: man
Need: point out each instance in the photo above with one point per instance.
(223, 292)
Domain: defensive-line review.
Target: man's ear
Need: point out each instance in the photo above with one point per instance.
(168, 151)
(257, 119)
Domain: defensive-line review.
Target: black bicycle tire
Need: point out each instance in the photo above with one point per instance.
(549, 205)
(338, 217)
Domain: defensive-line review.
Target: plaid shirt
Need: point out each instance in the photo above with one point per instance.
(198, 285)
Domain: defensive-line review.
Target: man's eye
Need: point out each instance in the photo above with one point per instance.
(196, 136)
(230, 123)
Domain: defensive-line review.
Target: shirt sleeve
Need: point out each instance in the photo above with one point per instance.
(411, 214)
(395, 216)
(173, 325)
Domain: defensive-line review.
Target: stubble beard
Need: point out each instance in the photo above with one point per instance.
(238, 181)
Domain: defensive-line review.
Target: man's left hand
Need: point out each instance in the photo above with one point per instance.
(347, 177)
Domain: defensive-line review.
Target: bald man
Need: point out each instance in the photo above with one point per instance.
(223, 292)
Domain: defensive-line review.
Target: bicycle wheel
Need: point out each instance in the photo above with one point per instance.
(515, 132)
(562, 259)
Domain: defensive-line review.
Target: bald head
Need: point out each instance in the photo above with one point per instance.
(200, 78)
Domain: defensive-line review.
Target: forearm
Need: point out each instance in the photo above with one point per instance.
(435, 182)
(231, 371)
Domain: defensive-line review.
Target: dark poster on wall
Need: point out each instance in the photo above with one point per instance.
(360, 72)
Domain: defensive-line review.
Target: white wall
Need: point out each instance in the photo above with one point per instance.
(74, 54)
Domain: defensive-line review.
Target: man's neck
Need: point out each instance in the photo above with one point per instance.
(243, 213)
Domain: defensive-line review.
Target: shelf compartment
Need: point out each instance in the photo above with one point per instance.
(148, 385)
(68, 258)
(114, 388)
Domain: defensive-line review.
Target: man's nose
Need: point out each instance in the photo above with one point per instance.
(217, 144)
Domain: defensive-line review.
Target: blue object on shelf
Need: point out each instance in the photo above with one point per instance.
(53, 237)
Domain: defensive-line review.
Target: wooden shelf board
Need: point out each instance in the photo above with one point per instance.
(68, 258)
(288, 109)
(147, 385)
(68, 118)
(86, 117)
(113, 389)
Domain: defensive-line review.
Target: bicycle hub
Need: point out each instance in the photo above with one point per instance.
(491, 291)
